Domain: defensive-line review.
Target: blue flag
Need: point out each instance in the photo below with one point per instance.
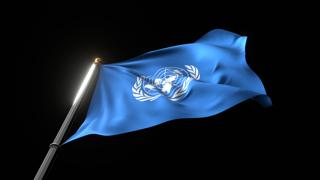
(193, 80)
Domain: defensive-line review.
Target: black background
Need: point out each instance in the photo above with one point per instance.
(57, 45)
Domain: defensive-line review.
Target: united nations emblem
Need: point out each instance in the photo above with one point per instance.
(171, 82)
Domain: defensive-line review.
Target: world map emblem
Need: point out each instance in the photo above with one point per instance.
(171, 82)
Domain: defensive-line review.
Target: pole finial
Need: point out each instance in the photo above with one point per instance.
(97, 60)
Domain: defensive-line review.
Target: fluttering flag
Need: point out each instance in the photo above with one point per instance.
(193, 80)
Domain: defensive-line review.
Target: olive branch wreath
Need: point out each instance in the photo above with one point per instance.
(142, 96)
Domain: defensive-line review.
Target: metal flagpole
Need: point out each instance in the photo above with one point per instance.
(57, 141)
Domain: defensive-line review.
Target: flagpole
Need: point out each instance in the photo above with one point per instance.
(53, 147)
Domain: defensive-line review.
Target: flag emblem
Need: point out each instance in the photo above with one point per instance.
(171, 82)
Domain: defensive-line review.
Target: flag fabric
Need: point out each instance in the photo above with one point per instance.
(193, 80)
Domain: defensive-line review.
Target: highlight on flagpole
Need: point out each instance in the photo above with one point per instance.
(65, 125)
(86, 80)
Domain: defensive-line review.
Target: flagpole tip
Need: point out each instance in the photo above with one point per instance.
(97, 61)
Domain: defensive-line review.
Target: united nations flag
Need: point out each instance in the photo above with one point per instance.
(193, 80)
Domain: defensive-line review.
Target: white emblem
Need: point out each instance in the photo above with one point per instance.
(171, 82)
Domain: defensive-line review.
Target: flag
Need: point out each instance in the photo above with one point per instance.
(193, 80)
